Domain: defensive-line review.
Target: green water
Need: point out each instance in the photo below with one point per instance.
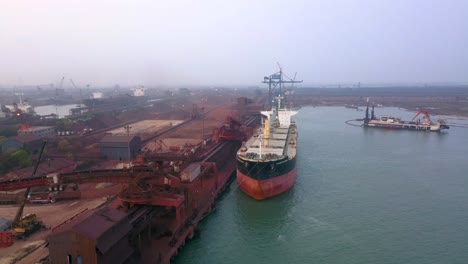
(361, 196)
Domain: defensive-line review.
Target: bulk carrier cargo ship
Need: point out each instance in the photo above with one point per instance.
(266, 162)
(390, 122)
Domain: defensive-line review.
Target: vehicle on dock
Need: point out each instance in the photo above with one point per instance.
(52, 197)
(26, 226)
(42, 198)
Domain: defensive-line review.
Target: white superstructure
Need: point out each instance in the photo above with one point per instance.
(139, 91)
(276, 137)
(98, 95)
(24, 107)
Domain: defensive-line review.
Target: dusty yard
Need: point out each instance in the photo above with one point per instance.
(51, 215)
(146, 127)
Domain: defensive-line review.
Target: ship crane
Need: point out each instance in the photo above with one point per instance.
(426, 116)
(81, 93)
(59, 90)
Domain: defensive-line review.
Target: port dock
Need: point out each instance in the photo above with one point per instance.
(152, 205)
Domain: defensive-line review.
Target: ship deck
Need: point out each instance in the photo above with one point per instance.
(274, 147)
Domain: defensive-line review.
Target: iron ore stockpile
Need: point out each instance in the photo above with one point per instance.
(164, 194)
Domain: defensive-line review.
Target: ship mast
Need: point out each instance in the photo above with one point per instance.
(366, 119)
(260, 147)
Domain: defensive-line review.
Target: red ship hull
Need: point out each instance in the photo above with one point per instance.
(263, 189)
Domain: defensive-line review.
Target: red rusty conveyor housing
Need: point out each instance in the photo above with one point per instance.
(162, 201)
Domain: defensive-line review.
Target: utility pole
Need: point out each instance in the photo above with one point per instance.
(127, 128)
(203, 123)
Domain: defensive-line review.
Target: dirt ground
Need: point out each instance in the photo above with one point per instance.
(51, 215)
(146, 127)
(202, 126)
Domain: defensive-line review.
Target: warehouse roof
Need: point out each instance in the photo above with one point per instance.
(117, 139)
(105, 226)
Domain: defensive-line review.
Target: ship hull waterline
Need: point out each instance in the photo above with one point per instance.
(263, 189)
(412, 128)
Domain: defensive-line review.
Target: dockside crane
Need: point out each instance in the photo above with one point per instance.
(81, 93)
(23, 226)
(58, 90)
(276, 83)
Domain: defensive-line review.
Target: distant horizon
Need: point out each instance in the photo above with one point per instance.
(246, 86)
(233, 43)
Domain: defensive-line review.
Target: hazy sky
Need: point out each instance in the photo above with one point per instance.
(220, 42)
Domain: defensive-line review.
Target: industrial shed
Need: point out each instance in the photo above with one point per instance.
(93, 237)
(40, 131)
(119, 147)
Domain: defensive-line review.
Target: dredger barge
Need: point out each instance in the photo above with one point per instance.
(389, 122)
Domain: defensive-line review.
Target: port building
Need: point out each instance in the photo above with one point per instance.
(40, 131)
(92, 237)
(117, 147)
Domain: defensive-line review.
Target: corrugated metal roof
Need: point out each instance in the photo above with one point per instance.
(115, 138)
(100, 221)
(106, 226)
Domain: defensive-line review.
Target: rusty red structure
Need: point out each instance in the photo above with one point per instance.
(163, 199)
(232, 130)
(424, 112)
(6, 239)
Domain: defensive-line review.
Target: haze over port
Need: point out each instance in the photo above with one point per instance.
(233, 42)
(324, 131)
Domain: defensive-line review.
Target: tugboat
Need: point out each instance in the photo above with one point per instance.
(266, 162)
(390, 122)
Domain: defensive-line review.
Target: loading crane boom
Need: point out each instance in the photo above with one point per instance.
(426, 114)
(427, 119)
(20, 222)
(81, 93)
